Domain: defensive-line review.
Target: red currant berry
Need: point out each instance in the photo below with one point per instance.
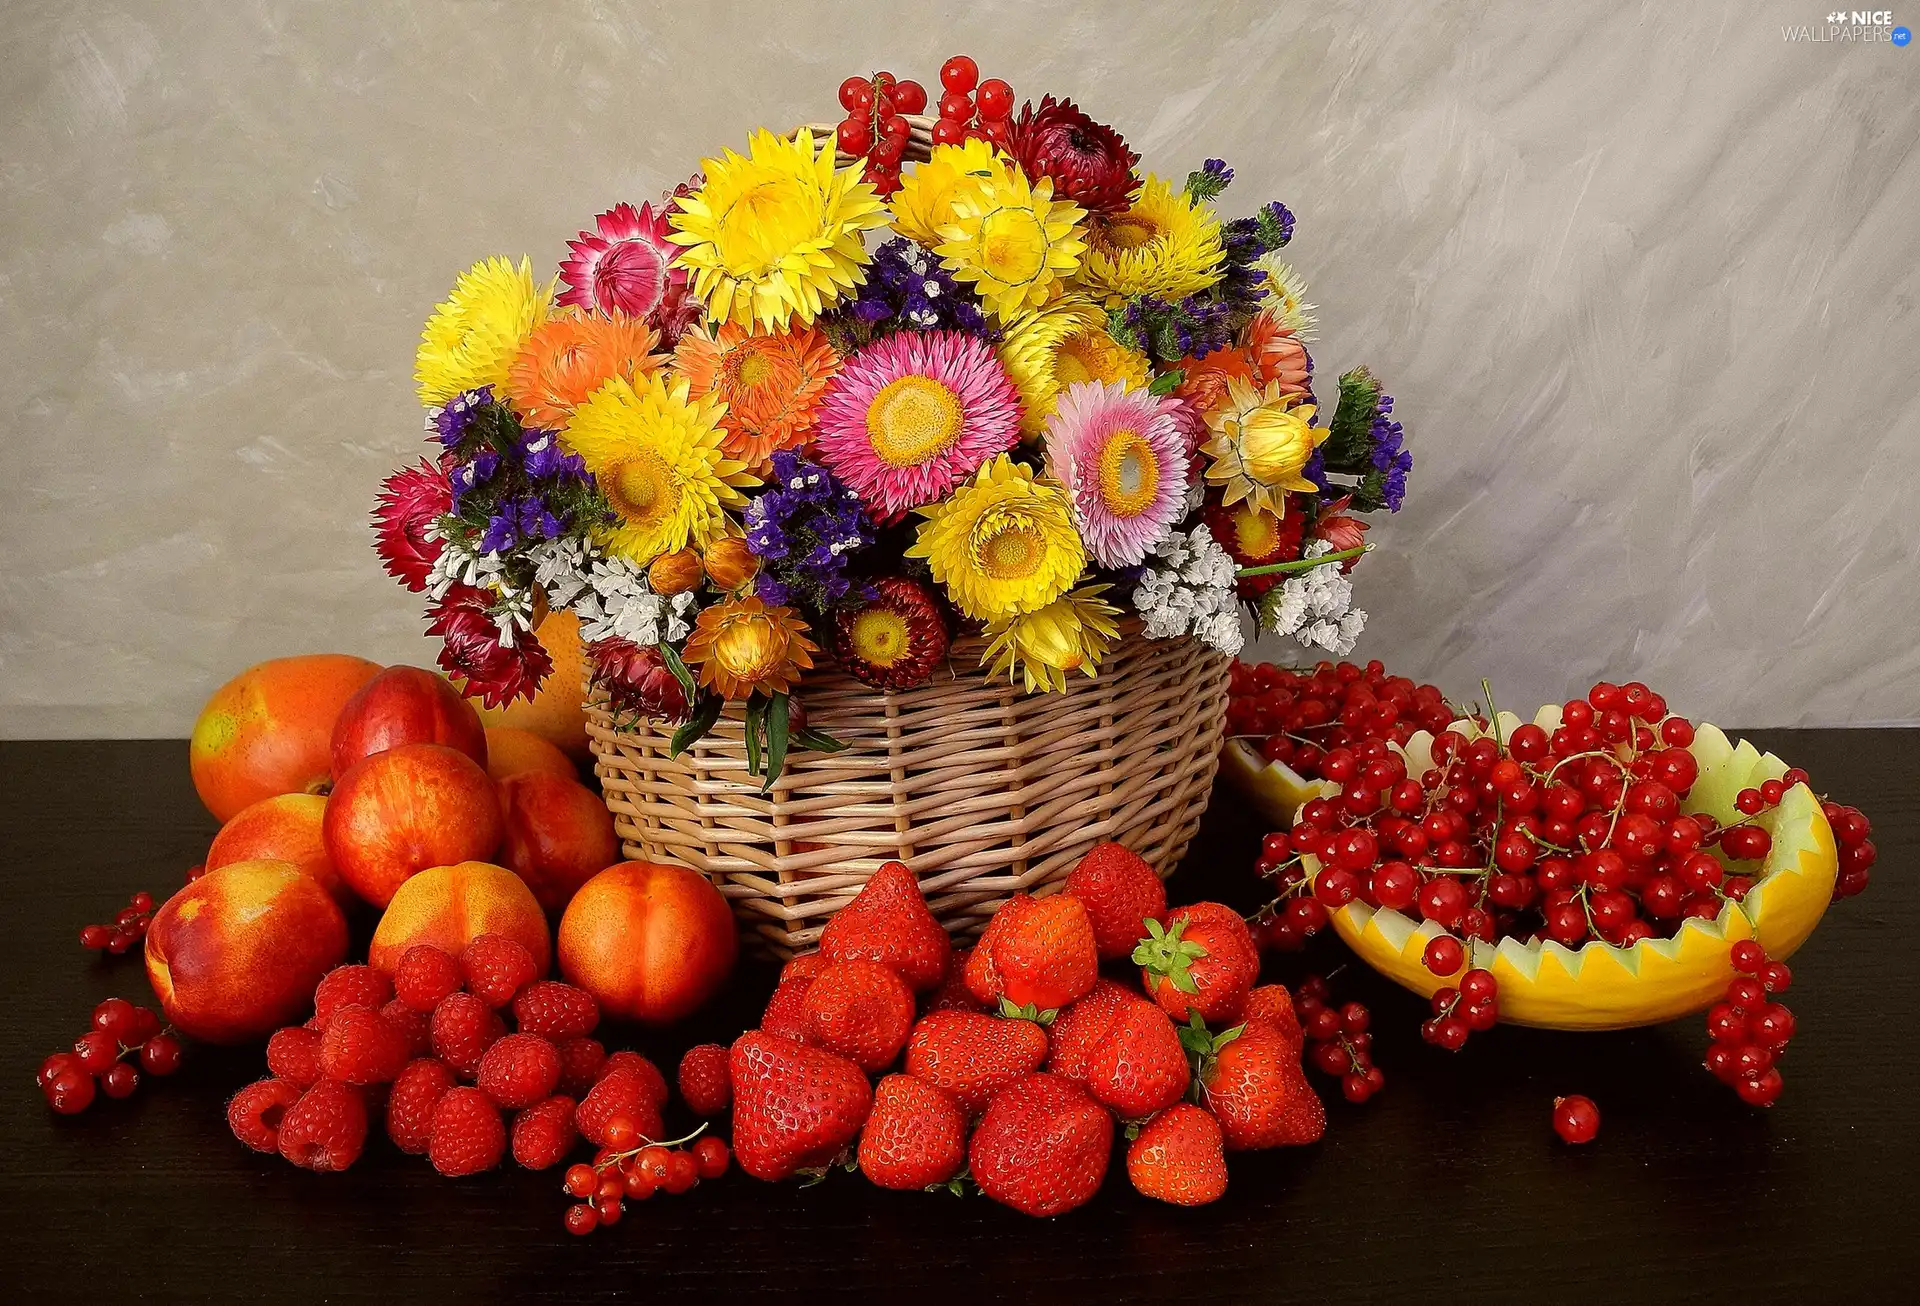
(70, 1092)
(711, 1157)
(581, 1180)
(853, 136)
(1749, 802)
(608, 1209)
(115, 1017)
(97, 1050)
(160, 1055)
(1747, 956)
(850, 91)
(956, 108)
(1443, 955)
(1762, 1091)
(1746, 994)
(1775, 977)
(582, 1219)
(948, 132)
(1576, 1119)
(959, 73)
(995, 99)
(120, 1081)
(909, 97)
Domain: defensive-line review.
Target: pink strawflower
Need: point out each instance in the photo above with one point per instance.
(913, 414)
(625, 267)
(410, 501)
(1341, 531)
(1122, 456)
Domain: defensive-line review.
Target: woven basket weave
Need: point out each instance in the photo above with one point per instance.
(982, 789)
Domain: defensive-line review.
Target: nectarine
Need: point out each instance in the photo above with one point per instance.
(284, 828)
(558, 835)
(512, 751)
(406, 705)
(557, 713)
(650, 942)
(450, 906)
(269, 730)
(399, 812)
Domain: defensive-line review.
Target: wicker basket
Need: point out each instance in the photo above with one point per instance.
(982, 789)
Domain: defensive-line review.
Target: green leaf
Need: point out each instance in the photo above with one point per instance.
(776, 739)
(755, 710)
(679, 670)
(704, 715)
(1165, 383)
(1349, 443)
(1010, 1011)
(817, 740)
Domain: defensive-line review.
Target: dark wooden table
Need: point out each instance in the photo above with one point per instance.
(1449, 1185)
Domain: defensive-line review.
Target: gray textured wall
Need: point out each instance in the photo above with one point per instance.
(1643, 279)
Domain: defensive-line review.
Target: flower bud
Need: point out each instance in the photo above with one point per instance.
(674, 573)
(730, 563)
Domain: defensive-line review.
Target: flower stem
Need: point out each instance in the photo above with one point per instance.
(1300, 564)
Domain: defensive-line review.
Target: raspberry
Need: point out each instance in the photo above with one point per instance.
(361, 1048)
(619, 1093)
(580, 1063)
(468, 1135)
(417, 1090)
(705, 1081)
(556, 1010)
(414, 1026)
(543, 1134)
(350, 986)
(497, 967)
(464, 1028)
(425, 975)
(257, 1111)
(293, 1054)
(519, 1070)
(326, 1128)
(653, 1082)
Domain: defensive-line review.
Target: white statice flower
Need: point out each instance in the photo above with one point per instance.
(1188, 589)
(1315, 606)
(460, 563)
(613, 599)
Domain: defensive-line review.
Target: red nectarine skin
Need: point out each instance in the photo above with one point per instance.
(284, 828)
(450, 906)
(650, 942)
(236, 954)
(269, 730)
(399, 812)
(558, 835)
(406, 705)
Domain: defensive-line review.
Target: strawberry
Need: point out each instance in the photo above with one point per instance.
(425, 975)
(802, 967)
(518, 1071)
(1042, 1146)
(256, 1112)
(497, 967)
(1081, 1027)
(786, 1010)
(555, 1010)
(543, 1134)
(1140, 1066)
(361, 1048)
(706, 1085)
(953, 994)
(1178, 1158)
(350, 986)
(915, 1136)
(1121, 894)
(1250, 1078)
(468, 1135)
(1274, 1005)
(794, 1107)
(1203, 960)
(888, 922)
(463, 1029)
(973, 1055)
(293, 1054)
(326, 1128)
(416, 1027)
(581, 1060)
(620, 1092)
(417, 1090)
(860, 1010)
(653, 1084)
(982, 975)
(1047, 957)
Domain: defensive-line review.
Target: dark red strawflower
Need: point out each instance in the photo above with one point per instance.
(472, 652)
(410, 501)
(637, 679)
(1087, 160)
(1253, 537)
(894, 640)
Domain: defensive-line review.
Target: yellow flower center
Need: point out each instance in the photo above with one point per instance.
(642, 489)
(1274, 445)
(1012, 551)
(880, 636)
(749, 367)
(1128, 231)
(1256, 531)
(1129, 474)
(1013, 245)
(912, 419)
(769, 216)
(748, 647)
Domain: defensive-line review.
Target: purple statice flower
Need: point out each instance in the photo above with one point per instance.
(805, 528)
(1316, 469)
(907, 288)
(472, 474)
(545, 460)
(1388, 455)
(451, 421)
(525, 520)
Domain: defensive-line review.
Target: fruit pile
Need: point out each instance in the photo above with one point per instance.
(104, 1058)
(1750, 1030)
(1296, 717)
(1022, 1042)
(129, 927)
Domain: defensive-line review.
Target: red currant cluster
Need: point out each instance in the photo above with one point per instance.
(1298, 716)
(129, 927)
(876, 127)
(1749, 1030)
(631, 1168)
(104, 1057)
(1851, 830)
(1471, 1007)
(971, 108)
(1338, 1041)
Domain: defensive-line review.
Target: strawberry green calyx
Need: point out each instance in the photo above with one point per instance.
(1164, 953)
(1203, 1046)
(1009, 1010)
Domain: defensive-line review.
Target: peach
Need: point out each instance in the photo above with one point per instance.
(511, 752)
(406, 705)
(450, 906)
(284, 828)
(559, 835)
(269, 730)
(651, 942)
(238, 952)
(397, 813)
(557, 713)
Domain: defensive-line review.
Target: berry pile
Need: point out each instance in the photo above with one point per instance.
(1749, 1031)
(104, 1058)
(971, 108)
(1015, 1062)
(629, 1168)
(1471, 1007)
(876, 127)
(1338, 1040)
(1297, 716)
(128, 929)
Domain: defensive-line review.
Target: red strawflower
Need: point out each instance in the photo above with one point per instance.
(1087, 160)
(895, 640)
(637, 679)
(472, 650)
(1254, 537)
(410, 501)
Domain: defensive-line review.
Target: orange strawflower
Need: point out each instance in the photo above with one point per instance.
(770, 384)
(568, 358)
(1267, 352)
(743, 646)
